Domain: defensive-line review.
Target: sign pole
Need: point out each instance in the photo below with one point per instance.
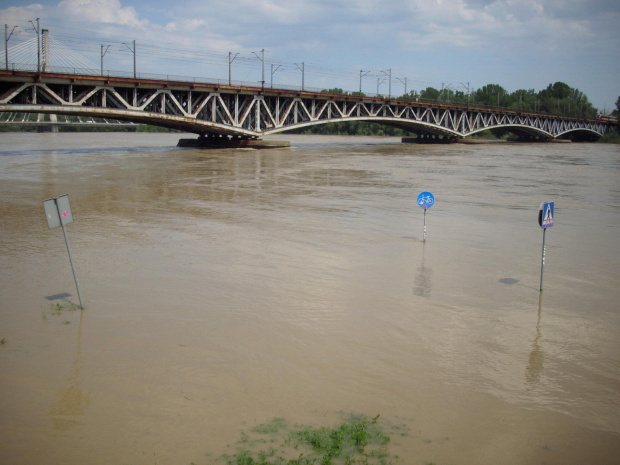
(542, 265)
(546, 215)
(425, 200)
(58, 213)
(64, 232)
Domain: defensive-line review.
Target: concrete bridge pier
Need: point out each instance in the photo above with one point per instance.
(220, 141)
(429, 138)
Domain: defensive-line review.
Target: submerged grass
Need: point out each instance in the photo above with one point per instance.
(357, 440)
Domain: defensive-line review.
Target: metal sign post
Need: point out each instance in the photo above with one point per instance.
(58, 213)
(545, 220)
(425, 200)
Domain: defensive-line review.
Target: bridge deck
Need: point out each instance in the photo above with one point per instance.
(251, 112)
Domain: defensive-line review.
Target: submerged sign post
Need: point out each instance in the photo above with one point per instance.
(58, 213)
(425, 200)
(545, 220)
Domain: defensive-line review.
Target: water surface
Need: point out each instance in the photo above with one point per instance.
(227, 287)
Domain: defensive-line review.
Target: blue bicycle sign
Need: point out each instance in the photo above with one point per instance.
(426, 200)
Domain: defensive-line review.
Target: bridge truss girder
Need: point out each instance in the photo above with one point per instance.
(253, 112)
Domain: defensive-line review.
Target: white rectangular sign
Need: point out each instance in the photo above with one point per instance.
(58, 211)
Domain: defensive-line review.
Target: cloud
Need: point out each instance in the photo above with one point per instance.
(186, 26)
(15, 14)
(102, 11)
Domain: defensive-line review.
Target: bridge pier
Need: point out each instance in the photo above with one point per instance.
(428, 138)
(218, 141)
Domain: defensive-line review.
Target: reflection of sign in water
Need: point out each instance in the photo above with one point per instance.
(422, 283)
(545, 215)
(537, 356)
(72, 401)
(426, 200)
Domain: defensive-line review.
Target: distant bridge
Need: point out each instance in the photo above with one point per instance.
(214, 110)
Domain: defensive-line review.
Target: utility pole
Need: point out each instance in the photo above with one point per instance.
(273, 71)
(103, 52)
(467, 92)
(379, 82)
(37, 29)
(403, 82)
(361, 75)
(134, 59)
(230, 60)
(134, 56)
(389, 75)
(303, 74)
(262, 58)
(7, 36)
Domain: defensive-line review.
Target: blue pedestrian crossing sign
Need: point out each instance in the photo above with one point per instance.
(426, 200)
(546, 215)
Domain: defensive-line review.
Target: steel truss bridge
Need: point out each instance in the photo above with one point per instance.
(213, 110)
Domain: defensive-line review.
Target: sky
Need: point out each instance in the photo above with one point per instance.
(456, 44)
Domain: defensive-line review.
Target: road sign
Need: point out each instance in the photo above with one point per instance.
(545, 220)
(426, 200)
(546, 215)
(58, 211)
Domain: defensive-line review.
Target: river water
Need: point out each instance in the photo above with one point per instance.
(224, 288)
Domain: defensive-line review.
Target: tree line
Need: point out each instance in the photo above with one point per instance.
(557, 99)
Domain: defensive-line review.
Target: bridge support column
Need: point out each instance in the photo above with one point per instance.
(428, 138)
(226, 142)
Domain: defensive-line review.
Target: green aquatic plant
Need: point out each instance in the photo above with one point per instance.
(357, 440)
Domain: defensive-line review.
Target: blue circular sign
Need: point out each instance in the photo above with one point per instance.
(426, 200)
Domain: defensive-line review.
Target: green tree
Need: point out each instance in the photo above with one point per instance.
(492, 95)
(430, 93)
(561, 99)
(411, 95)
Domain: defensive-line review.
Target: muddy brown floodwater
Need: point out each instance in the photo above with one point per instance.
(224, 288)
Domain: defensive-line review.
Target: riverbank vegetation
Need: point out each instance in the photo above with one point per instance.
(556, 99)
(357, 440)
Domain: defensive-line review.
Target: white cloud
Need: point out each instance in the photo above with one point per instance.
(15, 14)
(186, 26)
(103, 11)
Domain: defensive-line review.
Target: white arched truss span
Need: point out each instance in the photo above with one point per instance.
(254, 112)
